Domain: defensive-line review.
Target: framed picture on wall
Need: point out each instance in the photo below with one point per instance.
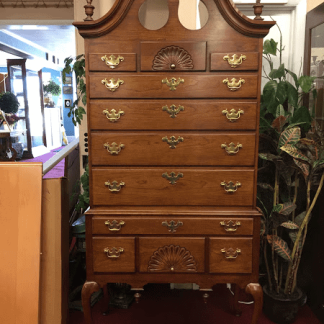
(68, 80)
(67, 103)
(67, 90)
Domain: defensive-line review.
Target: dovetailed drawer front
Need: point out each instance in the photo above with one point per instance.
(172, 225)
(113, 254)
(112, 62)
(172, 255)
(177, 56)
(173, 186)
(234, 61)
(173, 148)
(230, 255)
(172, 114)
(167, 85)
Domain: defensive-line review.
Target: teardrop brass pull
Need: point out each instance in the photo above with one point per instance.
(112, 61)
(173, 83)
(113, 252)
(235, 61)
(172, 177)
(234, 85)
(114, 186)
(114, 226)
(230, 226)
(114, 148)
(231, 253)
(173, 111)
(230, 187)
(112, 85)
(232, 149)
(172, 227)
(173, 142)
(112, 116)
(232, 115)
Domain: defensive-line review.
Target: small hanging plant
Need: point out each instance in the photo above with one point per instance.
(9, 103)
(52, 88)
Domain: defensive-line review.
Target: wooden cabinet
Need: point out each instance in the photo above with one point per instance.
(173, 141)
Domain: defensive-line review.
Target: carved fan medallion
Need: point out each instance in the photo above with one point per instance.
(172, 258)
(172, 58)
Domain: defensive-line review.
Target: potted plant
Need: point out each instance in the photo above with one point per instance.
(290, 179)
(51, 89)
(9, 106)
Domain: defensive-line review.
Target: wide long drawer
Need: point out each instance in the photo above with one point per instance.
(178, 186)
(232, 226)
(172, 114)
(103, 85)
(173, 148)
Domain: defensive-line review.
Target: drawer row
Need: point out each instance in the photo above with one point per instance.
(172, 254)
(186, 85)
(234, 226)
(173, 186)
(173, 148)
(172, 115)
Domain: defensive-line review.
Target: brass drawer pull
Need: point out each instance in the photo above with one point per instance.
(234, 85)
(112, 116)
(172, 177)
(112, 61)
(114, 186)
(173, 142)
(114, 252)
(114, 148)
(173, 83)
(231, 253)
(173, 111)
(235, 61)
(114, 226)
(232, 115)
(230, 226)
(232, 149)
(172, 227)
(112, 85)
(230, 187)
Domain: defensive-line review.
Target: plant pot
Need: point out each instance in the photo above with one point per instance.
(282, 309)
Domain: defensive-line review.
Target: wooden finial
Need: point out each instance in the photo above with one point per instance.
(258, 10)
(89, 10)
(137, 297)
(205, 296)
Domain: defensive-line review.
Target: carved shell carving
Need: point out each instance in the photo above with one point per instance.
(172, 58)
(172, 258)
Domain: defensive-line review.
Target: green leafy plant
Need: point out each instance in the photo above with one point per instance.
(84, 200)
(76, 65)
(291, 164)
(9, 103)
(52, 88)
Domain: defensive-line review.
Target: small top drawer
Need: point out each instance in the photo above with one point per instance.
(179, 56)
(112, 62)
(234, 62)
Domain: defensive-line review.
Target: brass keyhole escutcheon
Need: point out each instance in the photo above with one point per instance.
(112, 84)
(235, 61)
(112, 61)
(173, 142)
(173, 111)
(232, 115)
(114, 226)
(113, 116)
(173, 83)
(230, 253)
(231, 187)
(172, 177)
(231, 149)
(234, 85)
(114, 148)
(230, 226)
(114, 252)
(114, 186)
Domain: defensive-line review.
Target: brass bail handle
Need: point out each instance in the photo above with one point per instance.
(235, 61)
(114, 226)
(113, 115)
(112, 84)
(233, 115)
(231, 187)
(114, 252)
(234, 85)
(172, 83)
(112, 61)
(114, 186)
(231, 253)
(172, 226)
(230, 226)
(172, 177)
(231, 149)
(114, 148)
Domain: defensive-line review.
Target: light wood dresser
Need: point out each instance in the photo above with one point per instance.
(173, 140)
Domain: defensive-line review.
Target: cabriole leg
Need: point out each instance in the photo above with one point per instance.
(88, 289)
(256, 291)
